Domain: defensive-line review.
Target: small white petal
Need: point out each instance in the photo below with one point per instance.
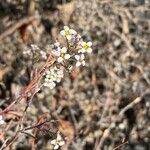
(51, 80)
(2, 122)
(66, 28)
(78, 36)
(45, 84)
(52, 70)
(58, 49)
(53, 142)
(83, 44)
(55, 68)
(62, 32)
(89, 50)
(72, 31)
(61, 143)
(51, 86)
(58, 80)
(57, 44)
(83, 63)
(89, 44)
(82, 50)
(79, 51)
(59, 72)
(56, 146)
(82, 56)
(64, 50)
(77, 57)
(60, 59)
(48, 75)
(69, 37)
(34, 47)
(56, 53)
(46, 79)
(48, 72)
(78, 63)
(59, 137)
(67, 56)
(1, 117)
(61, 75)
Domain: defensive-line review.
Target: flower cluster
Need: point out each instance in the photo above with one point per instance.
(68, 55)
(52, 76)
(85, 47)
(58, 142)
(1, 120)
(63, 55)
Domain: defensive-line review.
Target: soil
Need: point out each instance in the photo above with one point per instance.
(97, 105)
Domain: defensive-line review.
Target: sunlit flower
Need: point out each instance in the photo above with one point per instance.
(85, 47)
(1, 120)
(63, 55)
(74, 51)
(80, 60)
(58, 142)
(68, 33)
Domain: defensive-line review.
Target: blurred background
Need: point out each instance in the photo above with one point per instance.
(90, 100)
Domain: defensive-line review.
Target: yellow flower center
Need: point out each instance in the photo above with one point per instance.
(67, 32)
(86, 46)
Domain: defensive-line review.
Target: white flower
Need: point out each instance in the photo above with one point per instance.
(58, 141)
(57, 77)
(60, 59)
(34, 47)
(63, 55)
(52, 76)
(57, 44)
(60, 73)
(68, 33)
(85, 47)
(50, 84)
(43, 54)
(1, 120)
(80, 60)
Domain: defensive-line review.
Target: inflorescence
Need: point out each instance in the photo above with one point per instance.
(67, 56)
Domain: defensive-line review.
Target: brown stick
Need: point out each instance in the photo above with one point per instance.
(32, 84)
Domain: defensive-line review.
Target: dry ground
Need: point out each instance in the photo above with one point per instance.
(108, 101)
